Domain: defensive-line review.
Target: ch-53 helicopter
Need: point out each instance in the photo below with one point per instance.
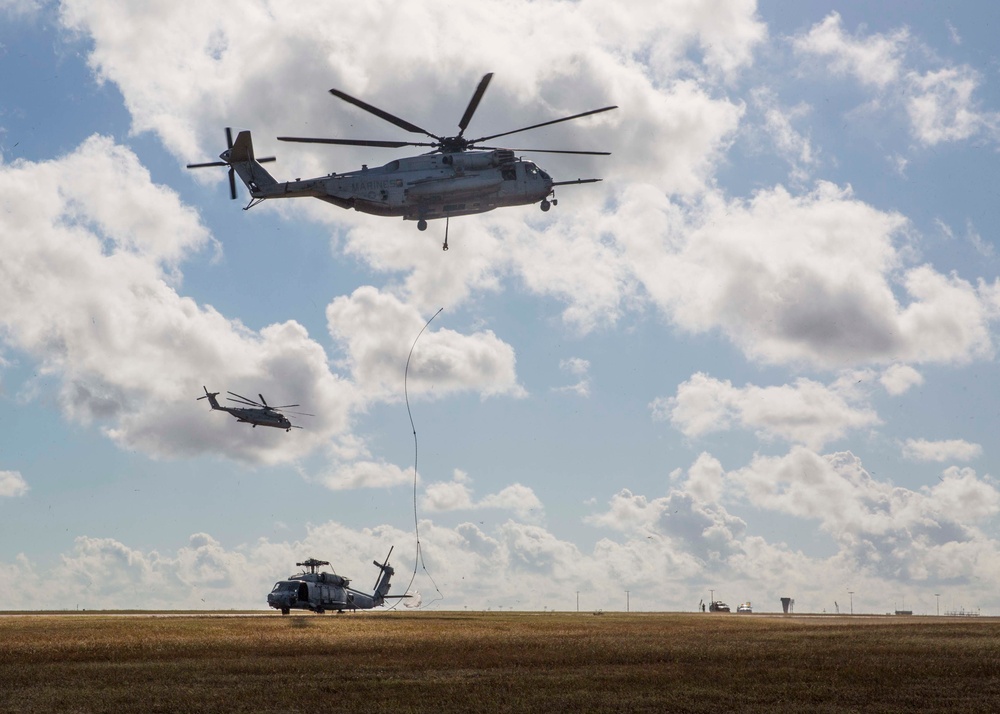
(320, 592)
(458, 177)
(255, 413)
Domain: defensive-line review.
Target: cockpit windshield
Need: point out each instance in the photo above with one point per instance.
(285, 586)
(531, 171)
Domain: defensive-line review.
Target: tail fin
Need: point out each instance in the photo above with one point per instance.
(382, 585)
(241, 158)
(210, 396)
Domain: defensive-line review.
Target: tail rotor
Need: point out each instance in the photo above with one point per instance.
(225, 156)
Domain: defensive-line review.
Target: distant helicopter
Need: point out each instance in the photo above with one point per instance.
(457, 178)
(255, 413)
(320, 592)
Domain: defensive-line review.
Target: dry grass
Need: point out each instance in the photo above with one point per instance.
(497, 662)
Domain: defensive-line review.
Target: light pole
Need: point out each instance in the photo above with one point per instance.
(937, 601)
(578, 601)
(851, 593)
(626, 601)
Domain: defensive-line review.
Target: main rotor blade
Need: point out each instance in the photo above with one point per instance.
(391, 118)
(248, 401)
(232, 183)
(246, 404)
(474, 102)
(546, 123)
(244, 401)
(278, 409)
(355, 142)
(548, 151)
(576, 181)
(229, 138)
(210, 163)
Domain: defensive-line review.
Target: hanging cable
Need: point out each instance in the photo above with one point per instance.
(418, 557)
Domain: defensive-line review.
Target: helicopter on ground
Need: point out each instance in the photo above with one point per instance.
(255, 413)
(458, 177)
(319, 592)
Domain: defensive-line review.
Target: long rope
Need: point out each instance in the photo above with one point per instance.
(418, 557)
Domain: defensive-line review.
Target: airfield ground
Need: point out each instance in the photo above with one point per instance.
(496, 662)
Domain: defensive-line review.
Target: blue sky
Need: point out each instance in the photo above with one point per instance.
(758, 358)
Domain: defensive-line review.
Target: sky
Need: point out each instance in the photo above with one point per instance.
(758, 360)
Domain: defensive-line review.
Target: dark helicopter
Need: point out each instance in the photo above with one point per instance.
(255, 413)
(319, 592)
(458, 177)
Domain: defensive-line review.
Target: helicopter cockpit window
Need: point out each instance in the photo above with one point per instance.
(508, 172)
(285, 586)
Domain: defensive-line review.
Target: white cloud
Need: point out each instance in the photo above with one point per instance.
(663, 548)
(378, 332)
(874, 60)
(456, 495)
(578, 368)
(899, 378)
(805, 412)
(939, 102)
(12, 484)
(892, 531)
(941, 107)
(802, 279)
(87, 284)
(790, 143)
(365, 474)
(946, 450)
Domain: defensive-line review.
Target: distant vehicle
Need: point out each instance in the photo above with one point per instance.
(319, 591)
(718, 606)
(744, 608)
(256, 413)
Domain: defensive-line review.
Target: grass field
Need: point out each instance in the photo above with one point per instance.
(497, 662)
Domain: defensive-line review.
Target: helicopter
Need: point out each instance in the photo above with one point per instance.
(319, 592)
(255, 413)
(458, 177)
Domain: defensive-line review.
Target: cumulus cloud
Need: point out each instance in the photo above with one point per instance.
(876, 59)
(940, 102)
(941, 106)
(378, 331)
(899, 378)
(365, 474)
(805, 412)
(88, 284)
(662, 547)
(456, 495)
(946, 450)
(892, 531)
(12, 484)
(805, 279)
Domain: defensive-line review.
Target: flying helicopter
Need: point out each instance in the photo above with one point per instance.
(255, 413)
(319, 592)
(457, 177)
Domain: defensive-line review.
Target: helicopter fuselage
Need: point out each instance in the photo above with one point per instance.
(258, 417)
(419, 188)
(319, 591)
